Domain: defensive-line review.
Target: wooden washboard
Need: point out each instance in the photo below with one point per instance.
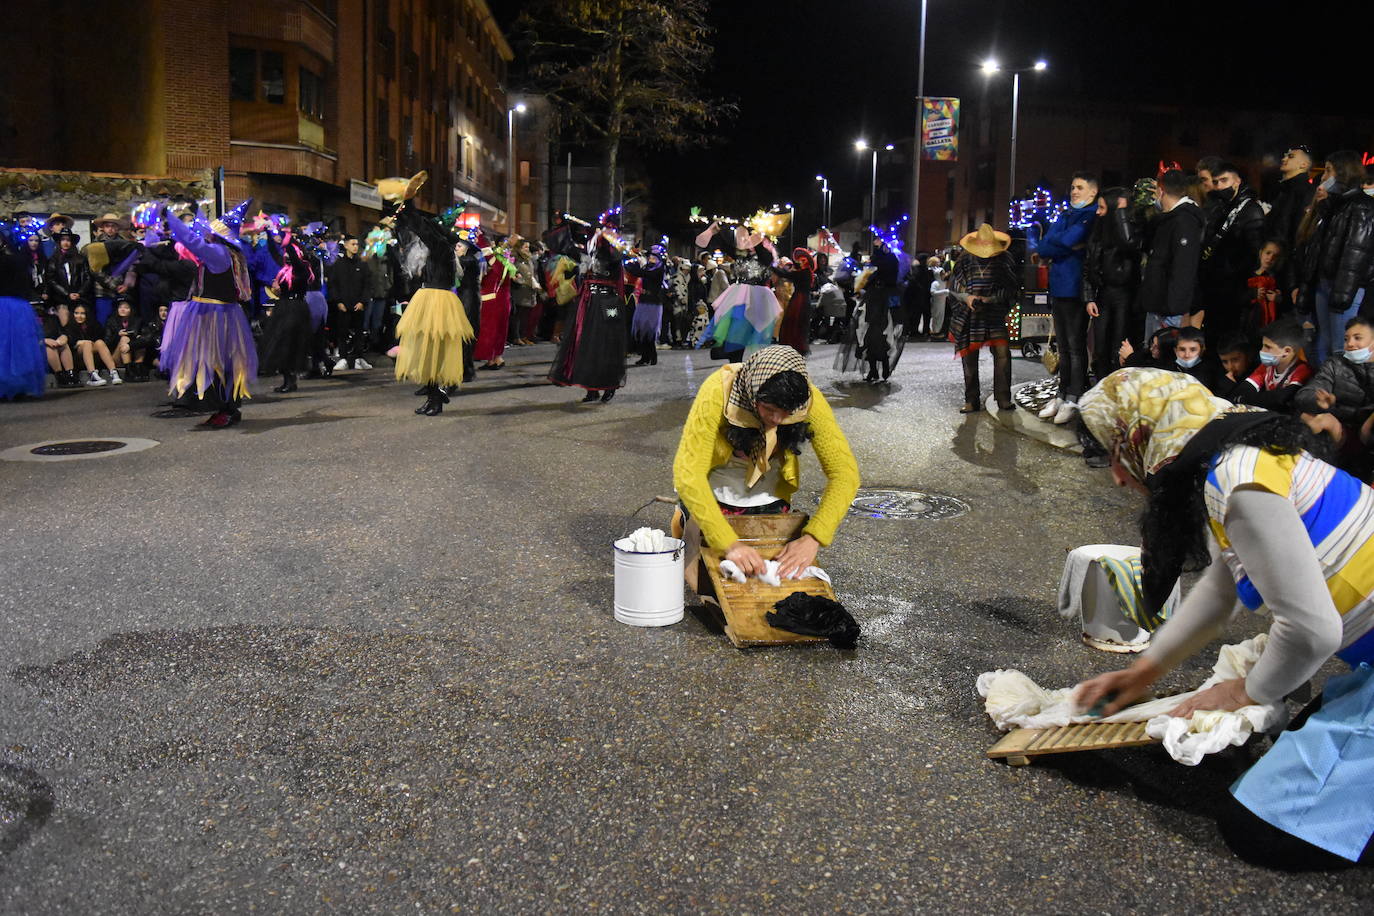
(1021, 744)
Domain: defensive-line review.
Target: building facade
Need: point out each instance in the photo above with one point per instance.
(303, 103)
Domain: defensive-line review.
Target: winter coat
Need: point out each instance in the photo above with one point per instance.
(1351, 383)
(1292, 200)
(53, 329)
(1347, 251)
(1232, 245)
(1064, 244)
(1169, 283)
(347, 281)
(523, 287)
(114, 324)
(69, 274)
(1112, 257)
(88, 331)
(651, 290)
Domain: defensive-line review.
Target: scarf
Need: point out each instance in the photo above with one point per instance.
(742, 382)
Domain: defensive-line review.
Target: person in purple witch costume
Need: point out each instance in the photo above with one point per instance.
(207, 346)
(591, 354)
(648, 317)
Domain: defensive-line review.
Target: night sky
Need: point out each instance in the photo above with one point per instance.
(811, 77)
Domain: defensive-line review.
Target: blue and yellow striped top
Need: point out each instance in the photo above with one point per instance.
(1336, 509)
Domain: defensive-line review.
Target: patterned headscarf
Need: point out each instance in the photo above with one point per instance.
(1147, 416)
(742, 384)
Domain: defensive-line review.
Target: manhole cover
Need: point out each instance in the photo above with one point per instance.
(83, 447)
(906, 504)
(75, 449)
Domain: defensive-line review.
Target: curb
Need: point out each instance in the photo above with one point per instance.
(1028, 424)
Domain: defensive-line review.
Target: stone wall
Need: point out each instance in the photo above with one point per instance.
(92, 193)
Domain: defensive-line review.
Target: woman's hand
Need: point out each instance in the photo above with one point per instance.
(1226, 696)
(749, 561)
(797, 555)
(1128, 686)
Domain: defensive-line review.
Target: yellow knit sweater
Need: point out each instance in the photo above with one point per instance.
(704, 448)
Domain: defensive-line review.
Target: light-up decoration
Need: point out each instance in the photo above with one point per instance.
(1039, 208)
(772, 221)
(892, 235)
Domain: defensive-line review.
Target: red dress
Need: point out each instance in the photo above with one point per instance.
(491, 334)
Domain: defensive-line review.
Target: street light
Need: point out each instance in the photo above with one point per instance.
(990, 66)
(859, 146)
(825, 199)
(791, 218)
(519, 108)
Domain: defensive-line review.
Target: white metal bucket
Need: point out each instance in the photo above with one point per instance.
(649, 586)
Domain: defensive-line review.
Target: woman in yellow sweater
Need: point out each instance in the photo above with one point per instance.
(739, 456)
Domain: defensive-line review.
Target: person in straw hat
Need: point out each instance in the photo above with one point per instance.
(983, 288)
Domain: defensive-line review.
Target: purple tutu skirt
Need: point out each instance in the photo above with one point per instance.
(207, 343)
(647, 321)
(319, 308)
(23, 364)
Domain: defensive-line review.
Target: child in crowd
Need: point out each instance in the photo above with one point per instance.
(58, 346)
(1282, 371)
(1158, 355)
(701, 322)
(121, 332)
(1266, 302)
(1238, 360)
(88, 343)
(1191, 358)
(1339, 399)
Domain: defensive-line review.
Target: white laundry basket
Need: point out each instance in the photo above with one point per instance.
(649, 586)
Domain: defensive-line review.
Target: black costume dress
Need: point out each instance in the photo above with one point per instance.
(591, 354)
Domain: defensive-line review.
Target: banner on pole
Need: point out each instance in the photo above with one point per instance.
(940, 129)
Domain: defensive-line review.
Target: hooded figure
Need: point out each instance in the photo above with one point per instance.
(1237, 494)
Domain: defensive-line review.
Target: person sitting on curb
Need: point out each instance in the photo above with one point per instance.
(1282, 371)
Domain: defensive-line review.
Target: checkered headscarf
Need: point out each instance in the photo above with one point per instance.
(742, 385)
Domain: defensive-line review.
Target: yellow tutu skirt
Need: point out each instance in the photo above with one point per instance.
(432, 331)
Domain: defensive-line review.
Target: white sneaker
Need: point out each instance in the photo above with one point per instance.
(114, 377)
(1067, 411)
(340, 365)
(361, 363)
(94, 380)
(1049, 410)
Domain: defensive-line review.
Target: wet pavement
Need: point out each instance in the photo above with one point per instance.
(342, 658)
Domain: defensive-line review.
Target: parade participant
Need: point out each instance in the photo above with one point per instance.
(311, 240)
(982, 288)
(880, 338)
(739, 455)
(22, 350)
(745, 314)
(433, 328)
(496, 302)
(648, 314)
(287, 340)
(591, 354)
(470, 268)
(1238, 495)
(207, 345)
(795, 329)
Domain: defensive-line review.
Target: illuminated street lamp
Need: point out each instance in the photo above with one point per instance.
(859, 146)
(825, 199)
(990, 66)
(519, 108)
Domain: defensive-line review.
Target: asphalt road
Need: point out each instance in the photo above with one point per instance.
(345, 659)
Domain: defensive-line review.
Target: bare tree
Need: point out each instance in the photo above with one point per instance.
(623, 71)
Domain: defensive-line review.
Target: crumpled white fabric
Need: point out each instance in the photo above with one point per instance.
(770, 576)
(1013, 700)
(643, 540)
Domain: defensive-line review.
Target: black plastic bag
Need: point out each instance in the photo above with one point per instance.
(814, 615)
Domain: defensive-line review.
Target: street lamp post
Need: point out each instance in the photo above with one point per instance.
(791, 218)
(825, 199)
(990, 67)
(511, 210)
(860, 145)
(919, 152)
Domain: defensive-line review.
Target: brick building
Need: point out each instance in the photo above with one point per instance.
(302, 102)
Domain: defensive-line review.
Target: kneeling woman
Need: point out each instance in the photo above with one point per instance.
(1235, 492)
(739, 456)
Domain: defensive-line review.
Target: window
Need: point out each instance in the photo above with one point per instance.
(311, 101)
(524, 173)
(243, 74)
(273, 77)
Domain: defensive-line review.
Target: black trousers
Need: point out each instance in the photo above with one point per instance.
(1001, 376)
(1071, 333)
(346, 329)
(1109, 329)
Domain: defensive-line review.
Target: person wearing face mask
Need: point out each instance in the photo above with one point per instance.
(1168, 286)
(1331, 280)
(1339, 400)
(1191, 358)
(1111, 271)
(1282, 371)
(1063, 245)
(1235, 234)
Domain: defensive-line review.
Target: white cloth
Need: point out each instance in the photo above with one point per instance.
(1013, 700)
(770, 576)
(643, 540)
(730, 483)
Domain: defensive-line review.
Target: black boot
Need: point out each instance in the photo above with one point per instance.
(288, 383)
(591, 396)
(435, 405)
(607, 395)
(973, 396)
(1001, 378)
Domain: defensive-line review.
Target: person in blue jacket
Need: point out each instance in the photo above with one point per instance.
(1063, 246)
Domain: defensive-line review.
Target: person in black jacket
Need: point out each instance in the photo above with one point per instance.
(1111, 273)
(1293, 198)
(347, 286)
(57, 344)
(121, 332)
(68, 276)
(1232, 244)
(1169, 285)
(916, 298)
(88, 341)
(1320, 253)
